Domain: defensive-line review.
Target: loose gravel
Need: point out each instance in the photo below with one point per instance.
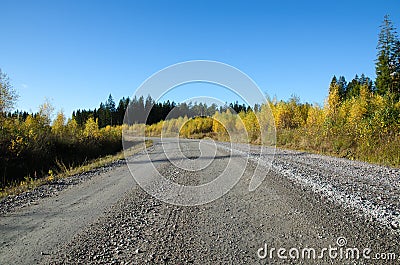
(139, 229)
(373, 191)
(52, 188)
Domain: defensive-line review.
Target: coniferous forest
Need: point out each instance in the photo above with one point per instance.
(360, 119)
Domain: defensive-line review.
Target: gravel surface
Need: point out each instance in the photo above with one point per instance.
(52, 188)
(139, 229)
(373, 191)
(29, 233)
(304, 201)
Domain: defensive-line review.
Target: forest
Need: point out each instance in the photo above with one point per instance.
(360, 119)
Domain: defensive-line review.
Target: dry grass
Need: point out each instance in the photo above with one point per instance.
(380, 151)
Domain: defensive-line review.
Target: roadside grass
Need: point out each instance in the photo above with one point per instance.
(383, 151)
(64, 171)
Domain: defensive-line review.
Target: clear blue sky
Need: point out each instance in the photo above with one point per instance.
(77, 52)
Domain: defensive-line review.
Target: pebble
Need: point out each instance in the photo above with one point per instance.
(395, 225)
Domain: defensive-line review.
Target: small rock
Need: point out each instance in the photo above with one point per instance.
(395, 224)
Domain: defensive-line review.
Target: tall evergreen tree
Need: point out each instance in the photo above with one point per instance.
(387, 72)
(342, 87)
(396, 74)
(120, 111)
(110, 110)
(102, 115)
(333, 82)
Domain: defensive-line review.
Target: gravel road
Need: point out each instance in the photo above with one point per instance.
(306, 201)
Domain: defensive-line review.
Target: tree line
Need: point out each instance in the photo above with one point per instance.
(148, 111)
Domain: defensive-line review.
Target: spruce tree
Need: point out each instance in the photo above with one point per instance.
(342, 87)
(387, 70)
(110, 111)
